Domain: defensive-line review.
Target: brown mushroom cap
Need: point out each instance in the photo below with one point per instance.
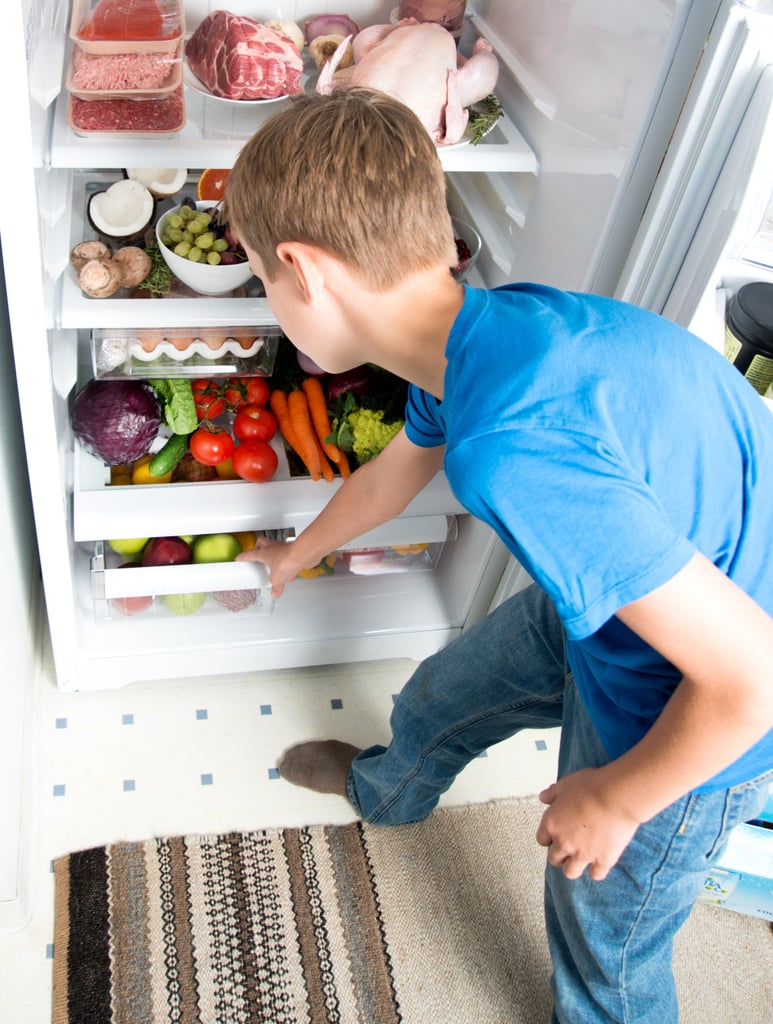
(134, 265)
(92, 249)
(99, 278)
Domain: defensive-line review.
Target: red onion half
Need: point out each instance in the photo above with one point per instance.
(330, 25)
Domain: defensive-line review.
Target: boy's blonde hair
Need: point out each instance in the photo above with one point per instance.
(354, 173)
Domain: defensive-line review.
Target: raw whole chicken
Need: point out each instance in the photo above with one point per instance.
(417, 63)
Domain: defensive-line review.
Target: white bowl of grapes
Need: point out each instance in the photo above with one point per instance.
(200, 250)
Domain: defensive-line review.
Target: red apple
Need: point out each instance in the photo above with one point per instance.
(131, 605)
(167, 551)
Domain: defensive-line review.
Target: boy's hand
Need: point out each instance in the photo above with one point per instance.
(278, 556)
(580, 828)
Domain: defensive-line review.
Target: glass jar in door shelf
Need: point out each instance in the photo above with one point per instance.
(749, 333)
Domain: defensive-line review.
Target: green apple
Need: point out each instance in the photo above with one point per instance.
(184, 604)
(189, 538)
(216, 547)
(128, 545)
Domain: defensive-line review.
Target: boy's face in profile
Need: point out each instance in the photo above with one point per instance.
(301, 320)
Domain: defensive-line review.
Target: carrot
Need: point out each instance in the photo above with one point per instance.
(277, 402)
(321, 423)
(308, 446)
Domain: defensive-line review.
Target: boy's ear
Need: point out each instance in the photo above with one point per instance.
(304, 262)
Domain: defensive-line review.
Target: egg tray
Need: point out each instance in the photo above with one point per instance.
(167, 352)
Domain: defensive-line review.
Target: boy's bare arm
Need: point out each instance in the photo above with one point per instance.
(722, 642)
(374, 494)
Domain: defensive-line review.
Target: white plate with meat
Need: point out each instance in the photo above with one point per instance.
(192, 82)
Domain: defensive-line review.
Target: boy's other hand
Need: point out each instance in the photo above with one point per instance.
(580, 828)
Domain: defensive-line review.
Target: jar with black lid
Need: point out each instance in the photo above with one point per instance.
(749, 333)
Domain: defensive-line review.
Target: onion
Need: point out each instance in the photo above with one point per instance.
(116, 420)
(357, 381)
(330, 25)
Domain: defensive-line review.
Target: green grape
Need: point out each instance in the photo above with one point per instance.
(187, 237)
(174, 221)
(220, 245)
(213, 258)
(205, 240)
(196, 226)
(166, 239)
(195, 254)
(187, 213)
(206, 217)
(174, 235)
(182, 249)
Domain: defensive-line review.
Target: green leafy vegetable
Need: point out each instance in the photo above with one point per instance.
(483, 116)
(179, 409)
(159, 280)
(365, 432)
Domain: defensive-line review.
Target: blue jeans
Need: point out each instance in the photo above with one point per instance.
(610, 941)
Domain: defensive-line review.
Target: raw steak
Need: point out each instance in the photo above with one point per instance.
(241, 59)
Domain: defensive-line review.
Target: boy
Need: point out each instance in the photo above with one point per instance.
(627, 466)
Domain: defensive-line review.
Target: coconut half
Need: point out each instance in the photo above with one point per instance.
(123, 211)
(159, 181)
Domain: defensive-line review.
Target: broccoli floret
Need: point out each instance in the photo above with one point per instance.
(370, 434)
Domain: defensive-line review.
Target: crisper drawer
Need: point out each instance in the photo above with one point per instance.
(214, 588)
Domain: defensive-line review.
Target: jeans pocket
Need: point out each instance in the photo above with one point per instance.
(742, 803)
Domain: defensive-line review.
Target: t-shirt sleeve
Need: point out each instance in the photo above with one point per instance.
(583, 524)
(423, 423)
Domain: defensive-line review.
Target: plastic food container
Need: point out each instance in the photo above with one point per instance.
(124, 75)
(184, 351)
(127, 26)
(749, 333)
(128, 118)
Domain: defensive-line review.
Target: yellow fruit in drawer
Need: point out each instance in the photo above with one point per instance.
(142, 475)
(409, 549)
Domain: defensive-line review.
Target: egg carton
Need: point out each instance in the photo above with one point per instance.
(180, 352)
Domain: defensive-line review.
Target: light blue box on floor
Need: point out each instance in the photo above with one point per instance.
(743, 877)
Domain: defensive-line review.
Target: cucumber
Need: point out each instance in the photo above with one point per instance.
(164, 462)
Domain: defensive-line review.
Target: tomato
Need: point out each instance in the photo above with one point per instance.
(235, 393)
(254, 423)
(258, 391)
(211, 446)
(207, 398)
(255, 461)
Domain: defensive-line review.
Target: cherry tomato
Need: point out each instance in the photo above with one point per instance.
(207, 398)
(211, 446)
(258, 391)
(255, 461)
(254, 423)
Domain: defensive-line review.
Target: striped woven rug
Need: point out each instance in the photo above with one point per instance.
(434, 923)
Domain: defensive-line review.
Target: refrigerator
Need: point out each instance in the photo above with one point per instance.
(604, 174)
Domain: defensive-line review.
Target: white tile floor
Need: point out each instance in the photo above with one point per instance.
(172, 758)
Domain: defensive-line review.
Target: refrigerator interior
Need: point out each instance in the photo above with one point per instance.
(591, 93)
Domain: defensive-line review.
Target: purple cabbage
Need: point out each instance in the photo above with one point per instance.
(116, 420)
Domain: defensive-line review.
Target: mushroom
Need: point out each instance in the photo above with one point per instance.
(99, 278)
(134, 265)
(89, 250)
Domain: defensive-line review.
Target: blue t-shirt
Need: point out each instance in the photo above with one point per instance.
(605, 445)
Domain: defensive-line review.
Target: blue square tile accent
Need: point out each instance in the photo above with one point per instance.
(61, 723)
(273, 773)
(201, 713)
(129, 785)
(540, 745)
(127, 719)
(265, 709)
(207, 779)
(59, 789)
(336, 703)
(49, 951)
